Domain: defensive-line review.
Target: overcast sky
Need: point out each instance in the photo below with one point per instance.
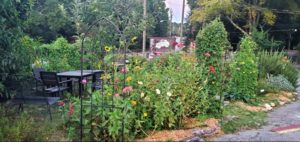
(176, 6)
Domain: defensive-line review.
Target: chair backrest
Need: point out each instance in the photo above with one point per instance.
(49, 78)
(97, 76)
(36, 73)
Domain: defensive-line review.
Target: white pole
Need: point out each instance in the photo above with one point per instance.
(144, 32)
(182, 18)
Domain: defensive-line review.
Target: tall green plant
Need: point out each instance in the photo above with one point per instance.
(211, 43)
(244, 71)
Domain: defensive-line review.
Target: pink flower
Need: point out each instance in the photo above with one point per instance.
(127, 89)
(61, 103)
(84, 81)
(71, 109)
(207, 54)
(124, 70)
(117, 95)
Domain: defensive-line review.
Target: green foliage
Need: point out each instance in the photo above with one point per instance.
(159, 12)
(14, 58)
(263, 41)
(276, 63)
(211, 43)
(164, 91)
(236, 119)
(278, 83)
(59, 55)
(244, 71)
(50, 19)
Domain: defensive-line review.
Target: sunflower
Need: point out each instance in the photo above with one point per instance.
(107, 48)
(134, 39)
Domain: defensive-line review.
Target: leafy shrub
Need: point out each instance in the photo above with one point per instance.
(278, 83)
(211, 43)
(276, 63)
(263, 41)
(59, 55)
(158, 95)
(244, 71)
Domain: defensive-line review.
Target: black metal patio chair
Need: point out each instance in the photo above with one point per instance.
(38, 81)
(97, 83)
(52, 85)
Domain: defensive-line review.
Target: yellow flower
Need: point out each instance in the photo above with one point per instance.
(108, 94)
(133, 103)
(107, 48)
(129, 78)
(145, 114)
(105, 77)
(134, 40)
(140, 83)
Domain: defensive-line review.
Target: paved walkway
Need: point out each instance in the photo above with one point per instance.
(289, 114)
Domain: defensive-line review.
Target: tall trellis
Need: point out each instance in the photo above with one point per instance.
(105, 104)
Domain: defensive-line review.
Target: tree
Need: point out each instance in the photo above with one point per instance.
(50, 19)
(14, 58)
(157, 10)
(235, 9)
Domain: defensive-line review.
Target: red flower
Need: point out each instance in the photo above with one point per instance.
(61, 103)
(211, 69)
(117, 95)
(207, 54)
(124, 70)
(127, 90)
(71, 109)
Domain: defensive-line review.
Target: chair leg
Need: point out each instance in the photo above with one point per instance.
(21, 108)
(49, 111)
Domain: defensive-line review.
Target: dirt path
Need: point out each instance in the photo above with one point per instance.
(286, 115)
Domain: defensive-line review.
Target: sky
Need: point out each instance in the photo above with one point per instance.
(176, 6)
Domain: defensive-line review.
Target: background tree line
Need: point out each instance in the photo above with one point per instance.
(273, 23)
(31, 29)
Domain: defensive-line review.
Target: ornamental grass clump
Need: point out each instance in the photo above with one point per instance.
(244, 71)
(276, 63)
(210, 45)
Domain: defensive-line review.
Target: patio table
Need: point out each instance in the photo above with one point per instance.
(77, 75)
